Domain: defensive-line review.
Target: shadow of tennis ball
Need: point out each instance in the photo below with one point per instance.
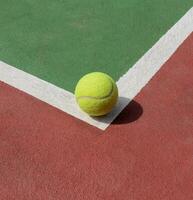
(132, 112)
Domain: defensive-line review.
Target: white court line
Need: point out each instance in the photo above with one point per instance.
(129, 84)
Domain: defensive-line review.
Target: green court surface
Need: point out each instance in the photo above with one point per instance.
(59, 41)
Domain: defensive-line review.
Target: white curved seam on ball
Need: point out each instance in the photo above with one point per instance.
(98, 98)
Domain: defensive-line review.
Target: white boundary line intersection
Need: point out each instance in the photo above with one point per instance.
(129, 85)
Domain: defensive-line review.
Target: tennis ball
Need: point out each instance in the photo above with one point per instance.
(96, 93)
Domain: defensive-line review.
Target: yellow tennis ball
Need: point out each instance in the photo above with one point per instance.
(96, 93)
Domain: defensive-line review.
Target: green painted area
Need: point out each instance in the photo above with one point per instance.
(61, 40)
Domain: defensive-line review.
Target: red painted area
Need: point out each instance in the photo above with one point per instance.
(147, 154)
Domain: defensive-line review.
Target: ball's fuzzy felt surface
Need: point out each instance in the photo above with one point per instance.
(96, 93)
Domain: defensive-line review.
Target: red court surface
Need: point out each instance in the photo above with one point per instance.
(146, 154)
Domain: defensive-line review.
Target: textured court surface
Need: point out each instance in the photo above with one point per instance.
(59, 41)
(146, 154)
